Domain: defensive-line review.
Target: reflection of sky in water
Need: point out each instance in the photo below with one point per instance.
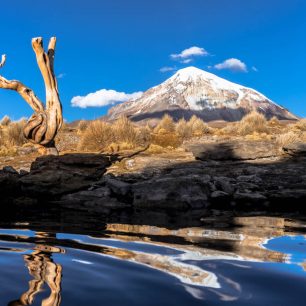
(121, 268)
(294, 246)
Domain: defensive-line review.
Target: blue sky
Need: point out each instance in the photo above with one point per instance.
(121, 45)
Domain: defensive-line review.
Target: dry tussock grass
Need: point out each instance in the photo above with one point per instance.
(82, 126)
(118, 136)
(166, 139)
(166, 124)
(15, 135)
(5, 121)
(198, 126)
(195, 127)
(156, 149)
(274, 122)
(253, 122)
(300, 125)
(124, 131)
(124, 135)
(11, 136)
(144, 136)
(183, 129)
(97, 136)
(287, 138)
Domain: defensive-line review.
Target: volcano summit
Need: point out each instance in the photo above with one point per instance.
(192, 91)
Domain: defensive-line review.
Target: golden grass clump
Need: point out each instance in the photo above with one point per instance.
(124, 131)
(120, 135)
(144, 136)
(251, 123)
(198, 126)
(230, 129)
(285, 139)
(166, 124)
(82, 126)
(5, 121)
(2, 137)
(156, 149)
(14, 133)
(300, 125)
(183, 129)
(97, 136)
(274, 122)
(166, 139)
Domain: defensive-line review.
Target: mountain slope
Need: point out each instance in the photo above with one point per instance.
(194, 91)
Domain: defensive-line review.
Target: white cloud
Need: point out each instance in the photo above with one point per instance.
(167, 69)
(189, 53)
(103, 97)
(186, 61)
(232, 64)
(61, 75)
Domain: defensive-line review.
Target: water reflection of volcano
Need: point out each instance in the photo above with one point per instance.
(243, 243)
(172, 251)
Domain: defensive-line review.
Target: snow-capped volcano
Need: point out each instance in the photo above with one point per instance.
(194, 91)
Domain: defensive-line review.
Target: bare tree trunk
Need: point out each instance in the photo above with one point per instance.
(46, 121)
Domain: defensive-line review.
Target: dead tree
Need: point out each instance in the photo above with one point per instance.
(46, 121)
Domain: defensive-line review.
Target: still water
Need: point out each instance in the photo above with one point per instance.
(258, 261)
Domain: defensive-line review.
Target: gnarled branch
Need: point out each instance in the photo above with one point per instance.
(3, 59)
(44, 124)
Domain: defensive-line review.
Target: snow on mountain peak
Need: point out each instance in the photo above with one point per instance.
(193, 74)
(194, 91)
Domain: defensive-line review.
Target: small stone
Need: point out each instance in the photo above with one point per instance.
(223, 184)
(249, 178)
(9, 169)
(219, 194)
(23, 172)
(116, 186)
(129, 164)
(250, 197)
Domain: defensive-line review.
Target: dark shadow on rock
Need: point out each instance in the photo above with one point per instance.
(208, 115)
(219, 182)
(226, 114)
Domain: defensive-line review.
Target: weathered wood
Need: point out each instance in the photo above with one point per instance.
(3, 59)
(46, 121)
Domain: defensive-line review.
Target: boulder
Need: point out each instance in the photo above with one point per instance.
(234, 150)
(98, 200)
(295, 149)
(249, 178)
(57, 175)
(219, 195)
(178, 193)
(9, 183)
(224, 184)
(246, 197)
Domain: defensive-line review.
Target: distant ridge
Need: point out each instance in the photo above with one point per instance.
(192, 91)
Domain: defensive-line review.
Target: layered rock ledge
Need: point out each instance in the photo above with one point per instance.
(250, 176)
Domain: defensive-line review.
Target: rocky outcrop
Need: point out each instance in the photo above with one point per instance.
(174, 182)
(295, 149)
(234, 150)
(52, 176)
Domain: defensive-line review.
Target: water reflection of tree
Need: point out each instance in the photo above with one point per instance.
(43, 270)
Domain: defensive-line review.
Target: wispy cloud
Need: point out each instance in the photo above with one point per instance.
(254, 69)
(103, 97)
(186, 55)
(232, 64)
(167, 69)
(186, 61)
(61, 75)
